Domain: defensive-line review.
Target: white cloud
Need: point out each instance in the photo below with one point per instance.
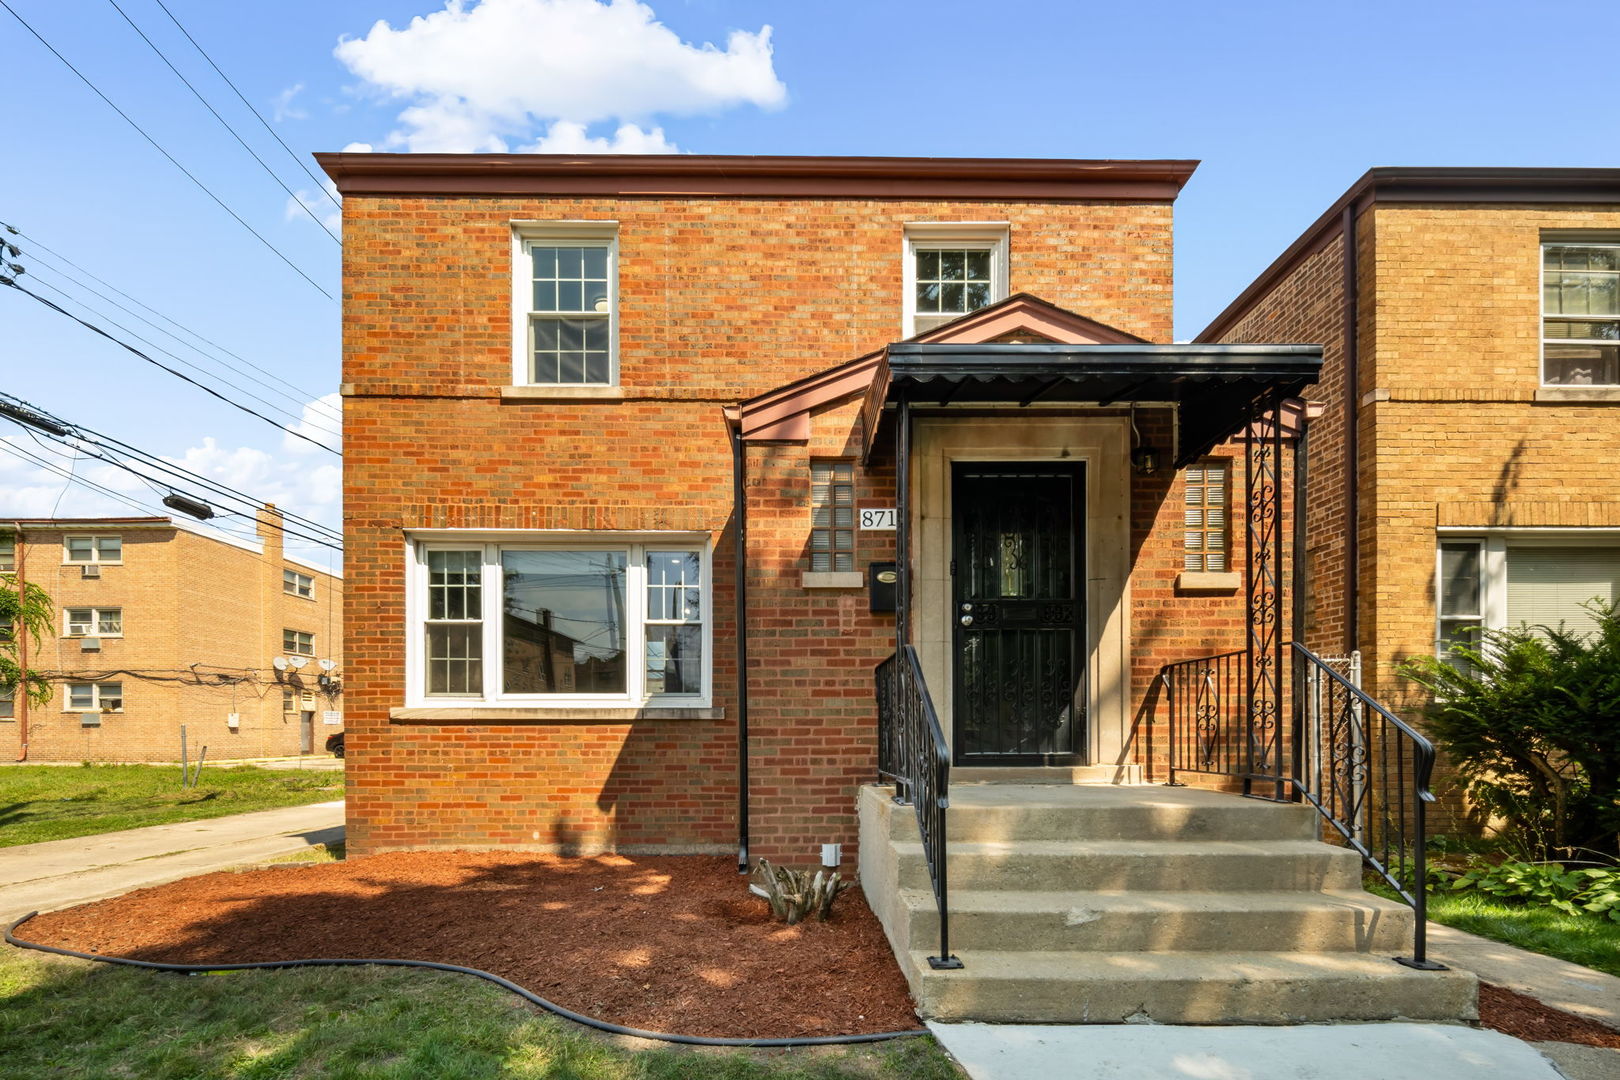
(320, 418)
(567, 137)
(357, 148)
(283, 106)
(327, 208)
(477, 75)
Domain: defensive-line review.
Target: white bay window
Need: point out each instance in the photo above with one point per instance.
(587, 622)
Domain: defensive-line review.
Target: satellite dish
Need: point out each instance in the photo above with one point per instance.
(279, 663)
(297, 662)
(328, 665)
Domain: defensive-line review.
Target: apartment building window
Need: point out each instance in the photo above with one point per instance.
(1580, 314)
(1501, 580)
(8, 703)
(297, 643)
(594, 621)
(952, 270)
(295, 584)
(832, 516)
(93, 622)
(1205, 544)
(566, 304)
(91, 699)
(8, 554)
(93, 549)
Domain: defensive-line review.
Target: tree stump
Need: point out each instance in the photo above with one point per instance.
(793, 894)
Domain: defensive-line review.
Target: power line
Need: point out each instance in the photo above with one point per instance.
(159, 148)
(319, 184)
(34, 242)
(225, 123)
(158, 364)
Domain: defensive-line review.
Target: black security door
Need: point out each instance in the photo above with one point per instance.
(1018, 571)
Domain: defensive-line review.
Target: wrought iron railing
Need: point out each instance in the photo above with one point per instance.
(1364, 769)
(913, 753)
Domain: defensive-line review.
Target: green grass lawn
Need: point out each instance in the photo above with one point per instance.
(53, 802)
(73, 1020)
(1589, 940)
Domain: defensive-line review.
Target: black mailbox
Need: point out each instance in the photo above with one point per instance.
(880, 585)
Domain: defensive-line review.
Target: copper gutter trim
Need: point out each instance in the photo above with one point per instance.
(693, 175)
(1422, 185)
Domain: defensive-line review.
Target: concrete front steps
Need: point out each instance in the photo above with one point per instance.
(1106, 904)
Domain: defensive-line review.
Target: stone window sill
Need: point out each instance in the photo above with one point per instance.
(502, 715)
(1578, 394)
(1192, 581)
(562, 393)
(823, 579)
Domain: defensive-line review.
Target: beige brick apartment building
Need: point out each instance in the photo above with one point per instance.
(159, 625)
(1462, 474)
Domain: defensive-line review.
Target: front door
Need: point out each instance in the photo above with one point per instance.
(306, 732)
(1018, 610)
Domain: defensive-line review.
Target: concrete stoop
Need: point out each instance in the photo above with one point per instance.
(1138, 903)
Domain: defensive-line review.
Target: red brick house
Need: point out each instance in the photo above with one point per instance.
(666, 476)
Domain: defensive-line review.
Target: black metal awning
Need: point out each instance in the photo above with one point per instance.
(1215, 387)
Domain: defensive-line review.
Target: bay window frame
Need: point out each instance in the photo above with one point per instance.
(1493, 546)
(635, 545)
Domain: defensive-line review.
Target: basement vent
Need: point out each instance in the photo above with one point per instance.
(90, 571)
(90, 644)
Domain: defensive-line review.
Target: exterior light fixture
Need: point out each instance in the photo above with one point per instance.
(1144, 458)
(187, 505)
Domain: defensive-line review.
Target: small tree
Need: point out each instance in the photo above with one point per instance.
(1530, 717)
(26, 610)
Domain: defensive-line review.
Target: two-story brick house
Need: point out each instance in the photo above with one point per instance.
(686, 495)
(160, 626)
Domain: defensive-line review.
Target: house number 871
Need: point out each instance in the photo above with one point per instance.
(877, 518)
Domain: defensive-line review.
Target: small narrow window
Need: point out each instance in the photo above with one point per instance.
(297, 643)
(455, 624)
(8, 554)
(8, 703)
(1459, 607)
(1205, 545)
(295, 584)
(832, 516)
(674, 622)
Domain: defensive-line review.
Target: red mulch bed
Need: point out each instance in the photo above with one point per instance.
(1523, 1017)
(667, 943)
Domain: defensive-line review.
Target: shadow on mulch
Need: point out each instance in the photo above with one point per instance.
(1523, 1017)
(667, 943)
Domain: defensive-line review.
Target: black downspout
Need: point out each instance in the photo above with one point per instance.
(739, 518)
(1352, 439)
(1302, 457)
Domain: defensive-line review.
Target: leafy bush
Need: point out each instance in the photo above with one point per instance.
(1530, 718)
(1593, 890)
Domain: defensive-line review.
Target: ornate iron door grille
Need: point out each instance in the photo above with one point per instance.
(1018, 613)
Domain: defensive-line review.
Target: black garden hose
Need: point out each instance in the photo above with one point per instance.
(505, 984)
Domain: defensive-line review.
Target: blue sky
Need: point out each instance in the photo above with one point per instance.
(1284, 103)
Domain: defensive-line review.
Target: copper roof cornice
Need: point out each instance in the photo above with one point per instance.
(691, 175)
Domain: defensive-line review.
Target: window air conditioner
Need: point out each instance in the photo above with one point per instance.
(90, 570)
(90, 644)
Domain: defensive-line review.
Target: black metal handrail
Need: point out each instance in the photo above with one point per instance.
(1364, 769)
(913, 753)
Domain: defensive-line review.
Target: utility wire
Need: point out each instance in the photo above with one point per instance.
(35, 242)
(159, 148)
(158, 364)
(226, 124)
(319, 184)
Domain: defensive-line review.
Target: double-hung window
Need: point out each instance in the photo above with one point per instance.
(298, 643)
(93, 549)
(952, 269)
(295, 584)
(8, 703)
(91, 699)
(93, 622)
(1580, 313)
(591, 621)
(8, 554)
(566, 304)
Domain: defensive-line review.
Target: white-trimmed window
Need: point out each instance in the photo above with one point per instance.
(832, 516)
(1496, 580)
(92, 622)
(92, 549)
(295, 584)
(593, 620)
(8, 554)
(91, 699)
(298, 643)
(565, 303)
(1580, 313)
(1204, 517)
(952, 269)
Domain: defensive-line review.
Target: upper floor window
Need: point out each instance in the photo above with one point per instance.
(295, 584)
(952, 270)
(1204, 543)
(566, 304)
(1580, 314)
(832, 516)
(94, 698)
(297, 643)
(93, 549)
(8, 554)
(93, 622)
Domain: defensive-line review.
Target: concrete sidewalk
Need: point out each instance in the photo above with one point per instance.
(61, 873)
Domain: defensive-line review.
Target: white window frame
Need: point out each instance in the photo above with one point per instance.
(634, 544)
(8, 554)
(95, 705)
(295, 651)
(297, 587)
(1494, 544)
(95, 558)
(991, 236)
(94, 622)
(529, 234)
(1553, 239)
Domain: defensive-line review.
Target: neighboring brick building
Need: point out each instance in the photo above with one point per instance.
(159, 625)
(1472, 366)
(568, 381)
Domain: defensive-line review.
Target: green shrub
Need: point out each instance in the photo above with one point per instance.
(1593, 890)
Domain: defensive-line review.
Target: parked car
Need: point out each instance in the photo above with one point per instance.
(334, 745)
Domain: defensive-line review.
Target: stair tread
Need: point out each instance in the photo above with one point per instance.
(1146, 900)
(1132, 848)
(1147, 798)
(1049, 965)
